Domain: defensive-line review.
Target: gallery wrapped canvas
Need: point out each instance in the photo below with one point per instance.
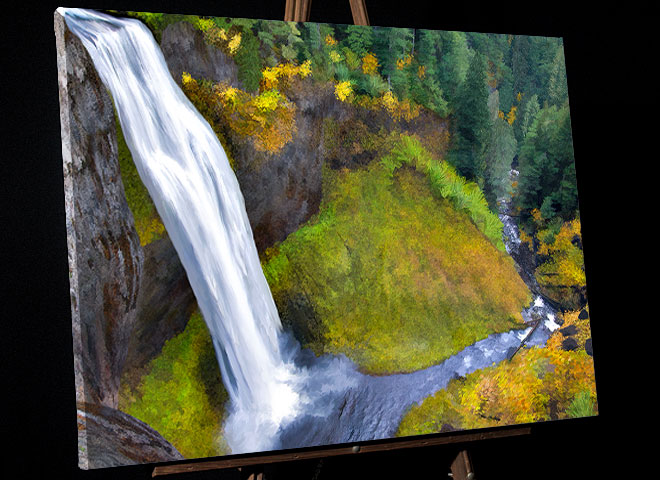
(287, 235)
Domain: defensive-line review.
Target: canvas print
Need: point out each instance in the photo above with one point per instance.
(286, 235)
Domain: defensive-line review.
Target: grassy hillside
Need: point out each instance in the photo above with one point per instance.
(391, 274)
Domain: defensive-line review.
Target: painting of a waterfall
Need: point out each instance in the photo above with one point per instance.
(287, 235)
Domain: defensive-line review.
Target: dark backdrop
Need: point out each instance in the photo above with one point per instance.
(609, 65)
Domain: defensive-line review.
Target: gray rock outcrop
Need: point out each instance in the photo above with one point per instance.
(165, 303)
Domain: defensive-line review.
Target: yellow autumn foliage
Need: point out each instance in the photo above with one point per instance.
(234, 43)
(268, 101)
(229, 41)
(343, 90)
(272, 76)
(267, 119)
(511, 116)
(398, 109)
(402, 63)
(370, 64)
(149, 230)
(566, 264)
(204, 24)
(538, 384)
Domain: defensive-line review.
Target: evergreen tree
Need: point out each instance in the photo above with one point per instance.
(520, 65)
(453, 64)
(530, 110)
(557, 86)
(248, 61)
(500, 150)
(547, 165)
(359, 39)
(311, 35)
(281, 41)
(392, 44)
(471, 121)
(428, 50)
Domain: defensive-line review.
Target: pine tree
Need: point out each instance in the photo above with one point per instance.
(547, 164)
(530, 110)
(392, 44)
(359, 39)
(557, 86)
(428, 51)
(500, 150)
(248, 60)
(453, 65)
(520, 65)
(471, 121)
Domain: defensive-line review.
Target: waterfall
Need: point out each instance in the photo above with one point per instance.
(187, 174)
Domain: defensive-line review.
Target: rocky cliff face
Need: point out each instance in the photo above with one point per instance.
(283, 190)
(165, 303)
(105, 258)
(185, 50)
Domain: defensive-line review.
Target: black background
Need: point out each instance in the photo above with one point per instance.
(611, 82)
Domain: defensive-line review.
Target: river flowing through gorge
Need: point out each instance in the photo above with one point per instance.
(281, 396)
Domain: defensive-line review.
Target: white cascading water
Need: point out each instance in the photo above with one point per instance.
(186, 171)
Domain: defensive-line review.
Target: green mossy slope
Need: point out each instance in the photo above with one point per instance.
(182, 395)
(391, 275)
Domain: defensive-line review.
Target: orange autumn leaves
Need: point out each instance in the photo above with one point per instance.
(538, 384)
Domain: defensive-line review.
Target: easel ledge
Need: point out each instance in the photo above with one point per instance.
(457, 438)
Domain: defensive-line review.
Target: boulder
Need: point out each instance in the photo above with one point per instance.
(569, 330)
(110, 438)
(588, 347)
(569, 344)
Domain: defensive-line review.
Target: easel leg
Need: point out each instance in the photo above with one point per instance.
(461, 467)
(258, 475)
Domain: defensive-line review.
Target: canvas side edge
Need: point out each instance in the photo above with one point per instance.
(69, 187)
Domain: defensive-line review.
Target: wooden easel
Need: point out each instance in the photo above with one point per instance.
(298, 11)
(460, 467)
